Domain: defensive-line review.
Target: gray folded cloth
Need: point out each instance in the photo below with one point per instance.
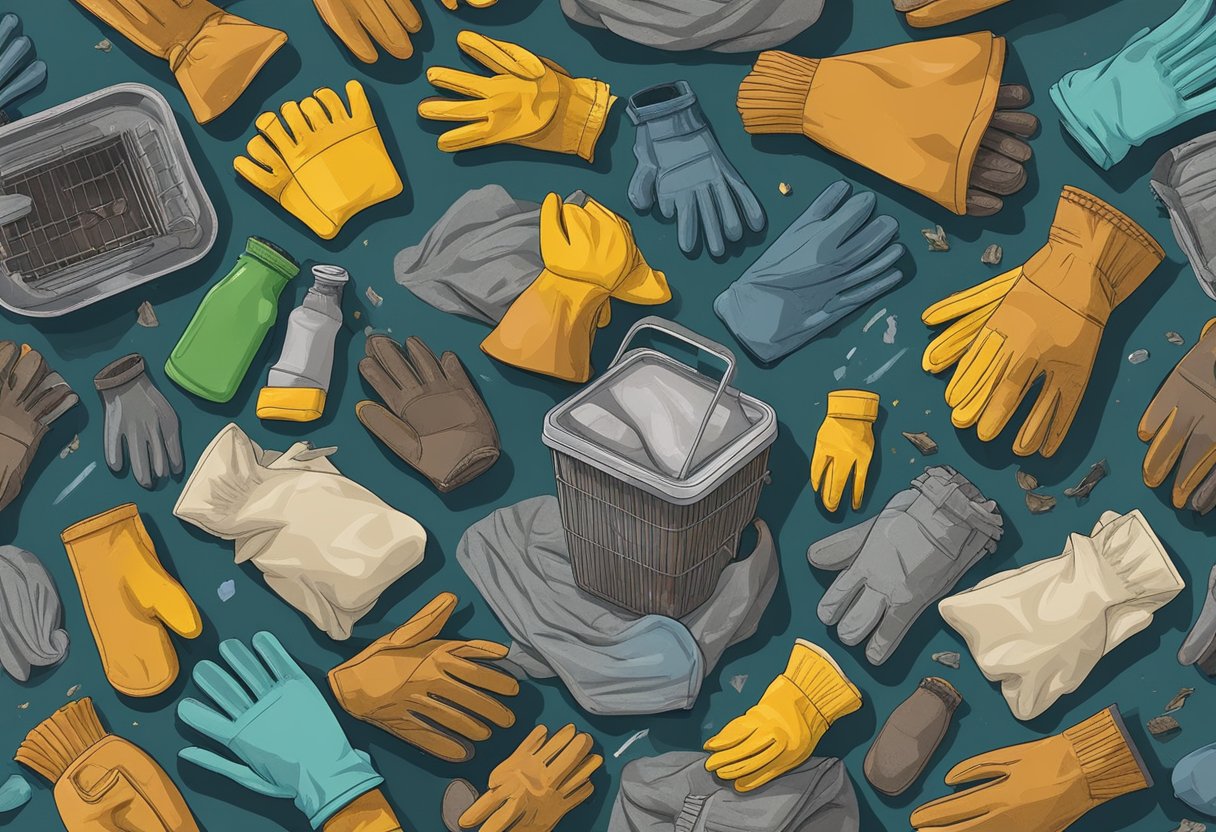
(1199, 648)
(31, 618)
(674, 793)
(682, 25)
(1184, 180)
(481, 254)
(611, 660)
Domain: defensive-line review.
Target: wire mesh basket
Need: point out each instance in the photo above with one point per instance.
(656, 541)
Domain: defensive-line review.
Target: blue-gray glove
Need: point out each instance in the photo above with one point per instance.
(681, 166)
(19, 72)
(1195, 780)
(832, 260)
(285, 735)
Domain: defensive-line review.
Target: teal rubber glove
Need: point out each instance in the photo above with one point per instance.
(1160, 79)
(285, 735)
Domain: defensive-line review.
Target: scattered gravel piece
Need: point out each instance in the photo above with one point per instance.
(848, 356)
(1174, 338)
(1026, 482)
(1179, 700)
(72, 691)
(146, 316)
(785, 188)
(24, 706)
(882, 371)
(875, 318)
(1138, 356)
(103, 45)
(70, 448)
(936, 238)
(992, 255)
(373, 296)
(948, 658)
(737, 682)
(839, 372)
(1159, 725)
(625, 745)
(1039, 503)
(226, 590)
(1097, 473)
(923, 442)
(888, 337)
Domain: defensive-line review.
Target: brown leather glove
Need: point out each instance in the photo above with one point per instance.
(430, 692)
(31, 398)
(433, 417)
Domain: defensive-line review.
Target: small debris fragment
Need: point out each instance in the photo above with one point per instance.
(24, 706)
(1097, 473)
(923, 442)
(639, 735)
(1174, 338)
(894, 402)
(226, 590)
(948, 658)
(992, 255)
(103, 45)
(848, 356)
(72, 691)
(373, 297)
(936, 238)
(839, 372)
(1039, 503)
(367, 330)
(70, 448)
(882, 371)
(135, 724)
(888, 337)
(146, 316)
(1179, 700)
(737, 682)
(358, 314)
(785, 188)
(1027, 482)
(875, 318)
(1159, 725)
(1191, 826)
(1138, 356)
(74, 484)
(365, 242)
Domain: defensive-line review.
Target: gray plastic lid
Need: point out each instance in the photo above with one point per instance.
(746, 426)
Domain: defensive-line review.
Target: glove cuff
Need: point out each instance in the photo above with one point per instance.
(943, 690)
(120, 372)
(1131, 550)
(1107, 755)
(668, 110)
(822, 681)
(61, 739)
(773, 96)
(853, 404)
(221, 60)
(586, 108)
(1082, 118)
(369, 812)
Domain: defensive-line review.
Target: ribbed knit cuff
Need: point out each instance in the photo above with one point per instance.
(1127, 254)
(853, 404)
(1131, 550)
(943, 690)
(822, 681)
(61, 739)
(1107, 755)
(772, 97)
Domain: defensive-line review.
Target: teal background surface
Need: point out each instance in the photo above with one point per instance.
(1047, 38)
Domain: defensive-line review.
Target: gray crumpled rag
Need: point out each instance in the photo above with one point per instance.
(612, 661)
(673, 792)
(479, 257)
(31, 618)
(682, 25)
(1184, 180)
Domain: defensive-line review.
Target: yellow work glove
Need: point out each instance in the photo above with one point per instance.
(1048, 323)
(214, 55)
(529, 101)
(129, 599)
(590, 256)
(914, 112)
(358, 23)
(781, 731)
(844, 445)
(332, 164)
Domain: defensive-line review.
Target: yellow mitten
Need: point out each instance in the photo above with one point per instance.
(844, 445)
(590, 256)
(329, 167)
(129, 599)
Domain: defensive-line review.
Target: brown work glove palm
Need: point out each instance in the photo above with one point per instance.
(31, 398)
(430, 692)
(433, 417)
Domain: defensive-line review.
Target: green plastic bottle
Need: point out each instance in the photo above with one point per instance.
(218, 346)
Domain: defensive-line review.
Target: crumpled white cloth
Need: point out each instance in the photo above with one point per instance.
(1040, 630)
(325, 544)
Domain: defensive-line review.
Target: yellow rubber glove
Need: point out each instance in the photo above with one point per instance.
(844, 445)
(966, 312)
(214, 55)
(923, 14)
(1048, 323)
(781, 731)
(332, 164)
(914, 112)
(590, 256)
(129, 599)
(529, 101)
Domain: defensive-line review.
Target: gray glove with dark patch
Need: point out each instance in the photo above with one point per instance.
(139, 417)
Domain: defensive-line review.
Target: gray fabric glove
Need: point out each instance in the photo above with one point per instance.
(139, 417)
(911, 555)
(1200, 646)
(31, 618)
(1183, 181)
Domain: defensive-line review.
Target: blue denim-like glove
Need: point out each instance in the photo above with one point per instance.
(832, 260)
(1195, 780)
(19, 72)
(14, 793)
(1160, 79)
(681, 166)
(288, 740)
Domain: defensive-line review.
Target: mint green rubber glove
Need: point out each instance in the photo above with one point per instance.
(285, 735)
(1160, 79)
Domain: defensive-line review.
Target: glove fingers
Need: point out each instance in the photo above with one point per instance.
(453, 80)
(1198, 457)
(474, 669)
(170, 431)
(247, 667)
(687, 227)
(953, 812)
(341, 22)
(453, 109)
(222, 688)
(438, 711)
(205, 720)
(825, 204)
(1165, 449)
(281, 665)
(501, 57)
(641, 185)
(837, 480)
(861, 469)
(988, 766)
(390, 24)
(846, 222)
(270, 172)
(457, 375)
(477, 134)
(752, 764)
(736, 732)
(484, 806)
(726, 211)
(386, 369)
(423, 360)
(887, 636)
(974, 377)
(576, 788)
(1005, 399)
(173, 606)
(1203, 498)
(961, 303)
(1049, 419)
(753, 211)
(825, 487)
(755, 742)
(158, 457)
(947, 348)
(508, 816)
(113, 442)
(867, 241)
(269, 125)
(139, 450)
(863, 293)
(839, 597)
(569, 757)
(837, 551)
(750, 782)
(390, 429)
(464, 695)
(862, 618)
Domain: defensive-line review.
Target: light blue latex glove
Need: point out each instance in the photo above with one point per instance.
(681, 166)
(19, 72)
(1195, 780)
(832, 260)
(1160, 79)
(285, 735)
(14, 794)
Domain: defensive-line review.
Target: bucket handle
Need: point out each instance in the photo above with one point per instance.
(692, 339)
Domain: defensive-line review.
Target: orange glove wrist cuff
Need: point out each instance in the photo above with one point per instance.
(369, 812)
(1108, 756)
